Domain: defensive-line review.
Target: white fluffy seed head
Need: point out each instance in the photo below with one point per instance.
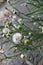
(29, 33)
(1, 51)
(32, 16)
(22, 56)
(6, 30)
(14, 17)
(16, 38)
(34, 23)
(19, 20)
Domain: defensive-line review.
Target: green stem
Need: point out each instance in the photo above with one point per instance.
(35, 11)
(37, 1)
(33, 4)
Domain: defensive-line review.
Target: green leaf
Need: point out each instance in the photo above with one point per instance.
(37, 6)
(1, 27)
(37, 1)
(17, 2)
(11, 47)
(35, 11)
